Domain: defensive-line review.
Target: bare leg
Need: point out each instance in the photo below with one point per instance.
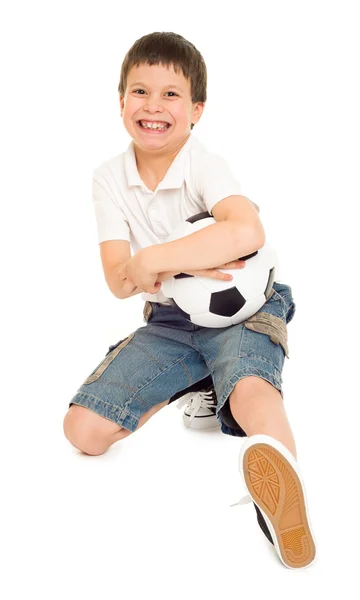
(92, 434)
(257, 406)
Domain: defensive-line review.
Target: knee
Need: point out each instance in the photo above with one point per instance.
(251, 398)
(82, 431)
(251, 386)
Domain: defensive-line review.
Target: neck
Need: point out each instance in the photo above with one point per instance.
(156, 164)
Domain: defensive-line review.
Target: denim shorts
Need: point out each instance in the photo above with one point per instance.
(169, 356)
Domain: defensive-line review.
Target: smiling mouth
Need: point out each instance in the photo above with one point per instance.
(154, 129)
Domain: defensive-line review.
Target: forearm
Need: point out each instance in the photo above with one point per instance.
(123, 288)
(214, 245)
(120, 293)
(116, 285)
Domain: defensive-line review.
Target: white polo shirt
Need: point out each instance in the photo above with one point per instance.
(125, 209)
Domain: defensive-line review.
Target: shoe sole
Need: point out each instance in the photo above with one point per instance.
(201, 423)
(276, 488)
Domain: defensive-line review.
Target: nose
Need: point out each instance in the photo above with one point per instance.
(153, 105)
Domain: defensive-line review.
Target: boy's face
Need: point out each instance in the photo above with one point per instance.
(157, 94)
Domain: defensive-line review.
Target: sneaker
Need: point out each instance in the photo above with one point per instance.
(200, 410)
(274, 484)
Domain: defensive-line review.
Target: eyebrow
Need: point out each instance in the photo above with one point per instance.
(176, 87)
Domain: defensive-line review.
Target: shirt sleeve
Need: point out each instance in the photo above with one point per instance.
(215, 181)
(110, 219)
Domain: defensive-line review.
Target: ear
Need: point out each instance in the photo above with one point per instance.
(122, 103)
(198, 109)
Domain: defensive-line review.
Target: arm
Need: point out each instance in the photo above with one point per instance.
(237, 232)
(123, 286)
(119, 289)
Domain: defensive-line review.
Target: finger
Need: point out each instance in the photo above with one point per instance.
(223, 276)
(212, 274)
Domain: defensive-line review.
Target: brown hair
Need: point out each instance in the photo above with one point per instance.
(167, 48)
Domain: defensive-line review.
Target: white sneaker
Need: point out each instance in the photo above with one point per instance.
(200, 412)
(274, 484)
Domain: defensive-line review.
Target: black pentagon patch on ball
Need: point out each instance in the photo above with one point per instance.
(182, 275)
(248, 256)
(180, 310)
(198, 217)
(226, 303)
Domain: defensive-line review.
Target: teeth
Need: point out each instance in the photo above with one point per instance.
(153, 125)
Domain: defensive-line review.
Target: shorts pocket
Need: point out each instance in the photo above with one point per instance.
(148, 310)
(272, 326)
(111, 354)
(283, 296)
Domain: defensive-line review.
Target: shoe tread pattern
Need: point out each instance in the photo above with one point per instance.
(277, 490)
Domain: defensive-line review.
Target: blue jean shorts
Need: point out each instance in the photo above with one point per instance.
(169, 356)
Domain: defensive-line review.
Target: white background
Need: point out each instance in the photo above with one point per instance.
(151, 517)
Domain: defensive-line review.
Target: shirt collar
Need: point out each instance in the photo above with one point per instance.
(174, 177)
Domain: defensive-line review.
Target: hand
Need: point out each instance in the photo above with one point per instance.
(136, 276)
(213, 273)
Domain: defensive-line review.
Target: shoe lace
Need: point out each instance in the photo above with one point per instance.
(244, 500)
(196, 401)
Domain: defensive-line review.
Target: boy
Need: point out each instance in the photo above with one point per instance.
(164, 177)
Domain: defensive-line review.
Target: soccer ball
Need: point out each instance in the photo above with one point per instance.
(213, 303)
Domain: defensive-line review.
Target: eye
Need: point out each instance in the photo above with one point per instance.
(141, 90)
